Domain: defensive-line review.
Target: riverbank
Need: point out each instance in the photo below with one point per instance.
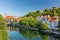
(46, 32)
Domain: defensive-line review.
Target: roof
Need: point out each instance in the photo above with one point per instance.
(18, 19)
(9, 17)
(12, 17)
(51, 19)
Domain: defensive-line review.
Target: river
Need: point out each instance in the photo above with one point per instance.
(28, 35)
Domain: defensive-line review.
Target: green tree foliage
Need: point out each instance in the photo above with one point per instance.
(54, 11)
(31, 14)
(38, 13)
(33, 22)
(35, 14)
(45, 11)
(58, 11)
(43, 26)
(24, 21)
(3, 32)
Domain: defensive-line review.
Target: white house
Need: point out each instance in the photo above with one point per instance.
(52, 22)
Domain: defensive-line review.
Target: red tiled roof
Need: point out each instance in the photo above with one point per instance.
(54, 18)
(9, 17)
(49, 18)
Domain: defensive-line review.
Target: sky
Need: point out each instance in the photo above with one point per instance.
(22, 7)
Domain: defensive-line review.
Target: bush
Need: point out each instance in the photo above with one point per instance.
(43, 26)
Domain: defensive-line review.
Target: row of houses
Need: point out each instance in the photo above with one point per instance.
(8, 19)
(51, 21)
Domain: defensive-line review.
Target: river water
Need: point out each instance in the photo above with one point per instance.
(28, 35)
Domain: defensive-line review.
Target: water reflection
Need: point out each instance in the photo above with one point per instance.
(44, 37)
(27, 35)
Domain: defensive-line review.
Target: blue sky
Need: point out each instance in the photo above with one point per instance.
(22, 7)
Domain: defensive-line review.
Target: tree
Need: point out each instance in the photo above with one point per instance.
(58, 11)
(33, 22)
(38, 13)
(54, 11)
(43, 26)
(31, 14)
(46, 12)
(35, 14)
(3, 32)
(24, 22)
